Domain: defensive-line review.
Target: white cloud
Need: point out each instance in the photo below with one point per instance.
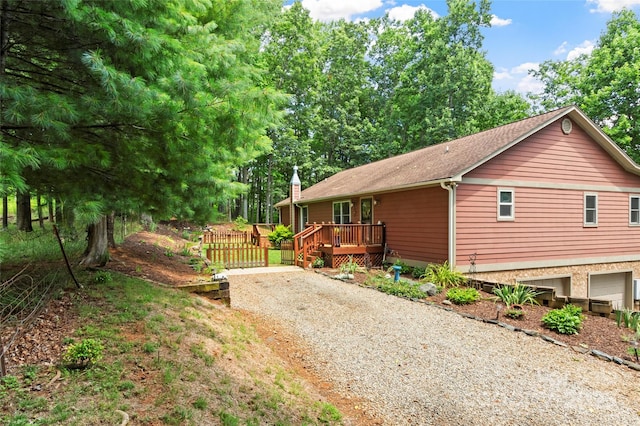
(518, 78)
(586, 47)
(499, 22)
(502, 74)
(524, 68)
(608, 6)
(329, 10)
(561, 49)
(530, 84)
(406, 12)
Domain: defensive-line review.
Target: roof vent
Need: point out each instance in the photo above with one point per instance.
(567, 126)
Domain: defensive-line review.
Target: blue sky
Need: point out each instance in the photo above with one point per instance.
(524, 33)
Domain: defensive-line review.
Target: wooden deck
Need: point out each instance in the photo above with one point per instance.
(338, 244)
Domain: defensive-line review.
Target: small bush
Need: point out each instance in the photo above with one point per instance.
(349, 267)
(279, 234)
(514, 313)
(86, 352)
(402, 288)
(443, 276)
(418, 272)
(463, 296)
(517, 294)
(318, 262)
(404, 268)
(567, 320)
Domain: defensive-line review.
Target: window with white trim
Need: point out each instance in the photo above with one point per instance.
(342, 212)
(634, 210)
(590, 209)
(506, 204)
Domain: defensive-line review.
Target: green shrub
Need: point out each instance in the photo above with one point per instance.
(404, 268)
(279, 234)
(514, 313)
(442, 275)
(86, 352)
(402, 288)
(318, 262)
(567, 320)
(463, 296)
(349, 267)
(518, 294)
(418, 272)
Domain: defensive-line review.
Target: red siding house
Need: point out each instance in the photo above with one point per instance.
(549, 200)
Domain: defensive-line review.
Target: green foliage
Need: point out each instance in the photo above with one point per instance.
(401, 288)
(279, 234)
(417, 272)
(518, 294)
(442, 276)
(629, 318)
(102, 277)
(240, 224)
(463, 295)
(404, 268)
(86, 352)
(318, 262)
(567, 320)
(349, 267)
(514, 313)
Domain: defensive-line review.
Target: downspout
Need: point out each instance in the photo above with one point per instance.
(451, 188)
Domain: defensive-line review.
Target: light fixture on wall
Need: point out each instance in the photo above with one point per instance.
(376, 201)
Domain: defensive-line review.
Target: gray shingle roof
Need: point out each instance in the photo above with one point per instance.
(432, 164)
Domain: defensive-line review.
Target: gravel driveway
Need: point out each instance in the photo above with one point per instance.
(420, 365)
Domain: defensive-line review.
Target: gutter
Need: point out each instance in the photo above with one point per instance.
(450, 186)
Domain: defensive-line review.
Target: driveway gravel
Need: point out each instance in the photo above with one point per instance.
(417, 364)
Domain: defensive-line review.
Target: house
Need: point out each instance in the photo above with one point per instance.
(549, 201)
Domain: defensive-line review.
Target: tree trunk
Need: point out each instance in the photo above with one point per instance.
(23, 212)
(5, 212)
(97, 252)
(52, 219)
(269, 194)
(40, 215)
(111, 220)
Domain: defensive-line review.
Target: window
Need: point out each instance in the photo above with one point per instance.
(506, 204)
(342, 212)
(634, 210)
(590, 209)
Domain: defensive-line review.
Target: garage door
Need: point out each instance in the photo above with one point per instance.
(561, 285)
(609, 287)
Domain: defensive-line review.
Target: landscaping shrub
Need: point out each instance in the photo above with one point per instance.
(402, 288)
(443, 276)
(279, 234)
(567, 320)
(418, 272)
(518, 294)
(463, 296)
(514, 313)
